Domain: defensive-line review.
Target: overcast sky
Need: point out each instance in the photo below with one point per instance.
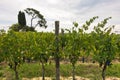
(66, 11)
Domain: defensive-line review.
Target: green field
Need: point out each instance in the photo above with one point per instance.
(87, 70)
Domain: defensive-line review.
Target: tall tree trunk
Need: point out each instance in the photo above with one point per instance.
(103, 71)
(73, 71)
(15, 70)
(43, 71)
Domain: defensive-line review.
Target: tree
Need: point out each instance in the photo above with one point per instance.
(105, 45)
(15, 27)
(21, 25)
(21, 19)
(118, 45)
(36, 15)
(77, 42)
(72, 49)
(42, 43)
(12, 49)
(2, 34)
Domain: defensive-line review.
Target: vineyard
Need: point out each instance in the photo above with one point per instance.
(56, 52)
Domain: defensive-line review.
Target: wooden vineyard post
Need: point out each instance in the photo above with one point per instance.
(57, 62)
(62, 33)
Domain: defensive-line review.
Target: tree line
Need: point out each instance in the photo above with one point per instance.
(22, 22)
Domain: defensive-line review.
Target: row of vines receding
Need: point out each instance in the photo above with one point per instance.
(101, 45)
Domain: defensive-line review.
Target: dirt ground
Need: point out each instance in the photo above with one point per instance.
(70, 78)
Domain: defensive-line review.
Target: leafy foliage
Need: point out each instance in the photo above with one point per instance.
(105, 45)
(36, 14)
(15, 27)
(101, 44)
(21, 19)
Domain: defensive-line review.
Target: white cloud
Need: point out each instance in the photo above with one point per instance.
(66, 11)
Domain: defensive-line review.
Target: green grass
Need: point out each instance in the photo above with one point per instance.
(30, 70)
(91, 71)
(35, 70)
(5, 72)
(1, 71)
(114, 70)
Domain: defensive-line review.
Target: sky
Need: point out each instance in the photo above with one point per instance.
(65, 11)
